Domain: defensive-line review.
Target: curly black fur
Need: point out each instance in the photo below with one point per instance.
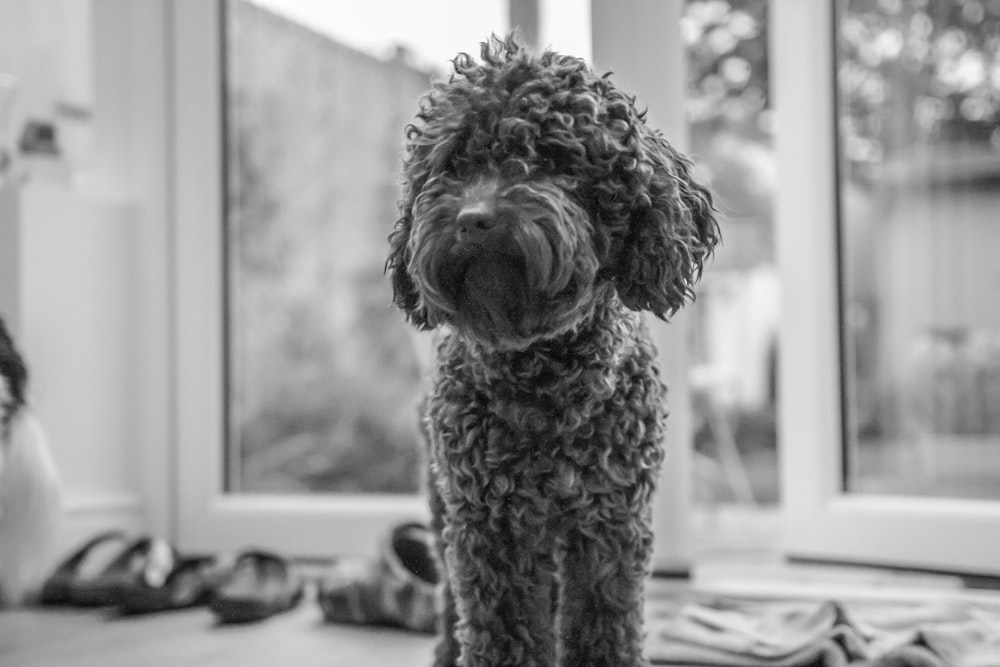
(540, 213)
(14, 376)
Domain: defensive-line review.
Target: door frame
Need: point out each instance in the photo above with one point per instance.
(821, 520)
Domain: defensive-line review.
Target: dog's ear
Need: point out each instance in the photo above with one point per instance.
(671, 231)
(416, 171)
(404, 290)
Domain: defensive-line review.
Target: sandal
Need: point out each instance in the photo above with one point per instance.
(260, 584)
(398, 589)
(190, 584)
(144, 563)
(60, 587)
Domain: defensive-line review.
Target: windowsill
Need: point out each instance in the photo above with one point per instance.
(768, 574)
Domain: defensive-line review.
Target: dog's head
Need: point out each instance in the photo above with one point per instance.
(534, 188)
(13, 379)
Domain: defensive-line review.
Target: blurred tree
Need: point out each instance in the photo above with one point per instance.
(918, 71)
(909, 71)
(727, 62)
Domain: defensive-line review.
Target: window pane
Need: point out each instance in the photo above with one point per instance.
(736, 314)
(323, 376)
(919, 112)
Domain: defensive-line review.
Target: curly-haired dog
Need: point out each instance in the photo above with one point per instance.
(540, 215)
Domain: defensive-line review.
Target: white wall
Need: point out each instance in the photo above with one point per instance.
(84, 256)
(74, 302)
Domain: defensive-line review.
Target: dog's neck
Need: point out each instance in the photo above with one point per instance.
(553, 373)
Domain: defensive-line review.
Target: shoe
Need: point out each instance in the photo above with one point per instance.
(398, 589)
(191, 583)
(144, 563)
(90, 557)
(260, 584)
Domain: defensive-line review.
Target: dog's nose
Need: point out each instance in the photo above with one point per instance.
(475, 220)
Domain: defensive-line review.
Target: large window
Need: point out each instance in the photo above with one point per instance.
(880, 386)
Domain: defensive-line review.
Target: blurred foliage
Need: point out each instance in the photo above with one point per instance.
(727, 63)
(323, 378)
(727, 107)
(909, 71)
(918, 71)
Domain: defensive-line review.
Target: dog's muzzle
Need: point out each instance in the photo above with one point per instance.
(506, 267)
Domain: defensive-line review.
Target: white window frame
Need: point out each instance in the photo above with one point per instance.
(209, 518)
(822, 521)
(321, 525)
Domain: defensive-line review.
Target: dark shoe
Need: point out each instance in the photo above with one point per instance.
(144, 563)
(192, 583)
(260, 585)
(61, 585)
(397, 589)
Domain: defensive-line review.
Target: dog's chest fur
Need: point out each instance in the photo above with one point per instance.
(544, 438)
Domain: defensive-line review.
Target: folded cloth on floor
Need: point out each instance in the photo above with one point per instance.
(724, 632)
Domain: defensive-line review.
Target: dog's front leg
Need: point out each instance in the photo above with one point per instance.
(600, 620)
(502, 586)
(446, 651)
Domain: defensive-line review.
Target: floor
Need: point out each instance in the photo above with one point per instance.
(97, 638)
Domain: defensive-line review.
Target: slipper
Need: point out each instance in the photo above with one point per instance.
(191, 583)
(398, 589)
(91, 557)
(260, 584)
(143, 563)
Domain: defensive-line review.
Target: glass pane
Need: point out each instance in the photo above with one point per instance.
(323, 376)
(919, 118)
(736, 314)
